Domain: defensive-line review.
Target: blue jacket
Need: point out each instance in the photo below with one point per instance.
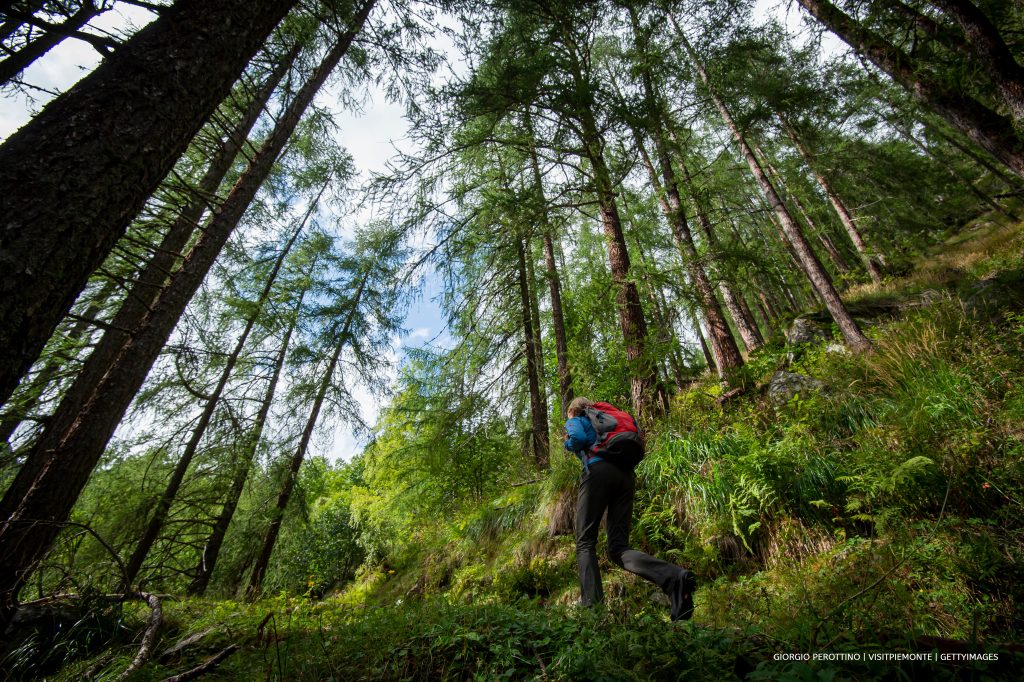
(580, 434)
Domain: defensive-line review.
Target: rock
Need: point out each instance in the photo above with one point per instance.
(660, 598)
(784, 385)
(837, 348)
(922, 300)
(987, 296)
(805, 330)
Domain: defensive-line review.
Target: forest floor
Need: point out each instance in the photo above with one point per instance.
(868, 529)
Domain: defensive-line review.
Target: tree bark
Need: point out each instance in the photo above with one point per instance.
(808, 262)
(776, 177)
(78, 173)
(538, 341)
(826, 241)
(727, 353)
(644, 378)
(31, 394)
(990, 51)
(708, 357)
(989, 130)
(163, 505)
(662, 317)
(259, 569)
(59, 466)
(837, 204)
(538, 412)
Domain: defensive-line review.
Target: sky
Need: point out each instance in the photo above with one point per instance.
(370, 136)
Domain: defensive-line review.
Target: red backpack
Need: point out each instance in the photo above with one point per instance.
(619, 440)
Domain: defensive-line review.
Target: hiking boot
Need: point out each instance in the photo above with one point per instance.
(680, 591)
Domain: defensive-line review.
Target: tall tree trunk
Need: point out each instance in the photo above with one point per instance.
(826, 241)
(989, 130)
(784, 192)
(538, 412)
(837, 204)
(259, 569)
(643, 373)
(554, 283)
(631, 314)
(58, 467)
(727, 353)
(708, 356)
(741, 317)
(538, 342)
(558, 323)
(153, 277)
(767, 292)
(819, 279)
(77, 174)
(991, 52)
(23, 58)
(662, 316)
(768, 317)
(211, 551)
(30, 395)
(163, 505)
(800, 294)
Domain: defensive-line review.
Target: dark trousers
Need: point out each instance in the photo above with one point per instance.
(605, 486)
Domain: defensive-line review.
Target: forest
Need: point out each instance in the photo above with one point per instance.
(268, 413)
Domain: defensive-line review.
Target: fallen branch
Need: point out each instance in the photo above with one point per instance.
(729, 395)
(261, 626)
(176, 649)
(71, 596)
(149, 639)
(204, 667)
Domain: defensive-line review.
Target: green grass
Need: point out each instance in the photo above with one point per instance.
(435, 639)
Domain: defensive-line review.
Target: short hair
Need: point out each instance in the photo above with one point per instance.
(578, 406)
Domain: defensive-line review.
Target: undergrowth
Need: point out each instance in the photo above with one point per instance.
(879, 514)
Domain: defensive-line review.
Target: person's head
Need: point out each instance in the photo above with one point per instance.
(578, 406)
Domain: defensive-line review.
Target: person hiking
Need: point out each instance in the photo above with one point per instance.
(609, 444)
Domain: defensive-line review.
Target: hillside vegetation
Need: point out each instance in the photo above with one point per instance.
(877, 515)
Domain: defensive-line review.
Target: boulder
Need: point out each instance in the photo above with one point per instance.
(784, 385)
(805, 330)
(922, 300)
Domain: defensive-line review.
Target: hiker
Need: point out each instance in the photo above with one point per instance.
(609, 444)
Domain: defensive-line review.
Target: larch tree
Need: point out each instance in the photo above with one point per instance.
(79, 172)
(360, 316)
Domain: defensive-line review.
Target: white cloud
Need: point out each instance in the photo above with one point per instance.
(418, 333)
